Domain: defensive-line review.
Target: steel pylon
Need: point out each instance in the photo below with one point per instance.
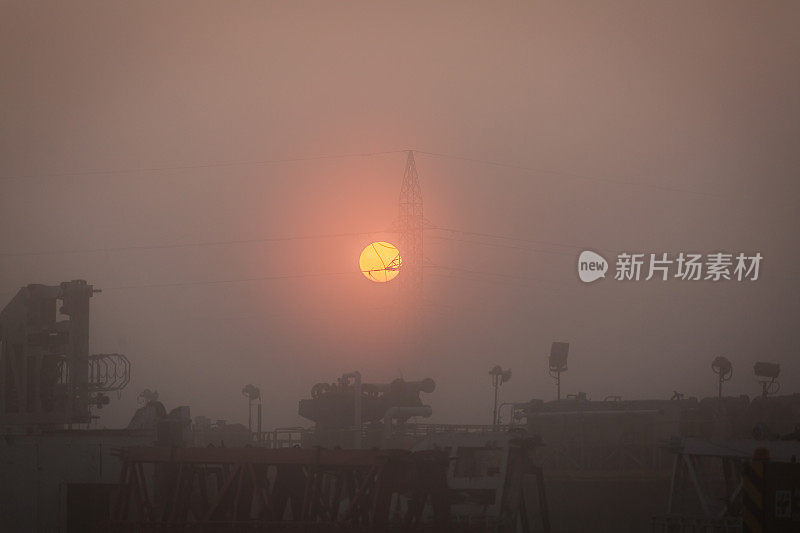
(410, 226)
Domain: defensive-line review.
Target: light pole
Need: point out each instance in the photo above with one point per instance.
(724, 369)
(499, 376)
(767, 373)
(558, 363)
(252, 393)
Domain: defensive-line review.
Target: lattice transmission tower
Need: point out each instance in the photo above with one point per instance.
(410, 226)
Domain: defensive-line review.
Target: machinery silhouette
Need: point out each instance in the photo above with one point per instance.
(48, 377)
(332, 404)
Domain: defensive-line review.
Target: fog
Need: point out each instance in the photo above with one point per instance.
(171, 155)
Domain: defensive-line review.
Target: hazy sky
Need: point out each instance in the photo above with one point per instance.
(665, 127)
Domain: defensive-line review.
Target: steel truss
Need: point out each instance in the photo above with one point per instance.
(250, 489)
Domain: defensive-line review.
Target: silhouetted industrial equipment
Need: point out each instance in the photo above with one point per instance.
(499, 376)
(515, 414)
(558, 363)
(767, 374)
(340, 408)
(490, 480)
(147, 396)
(769, 501)
(767, 370)
(762, 431)
(332, 404)
(724, 369)
(293, 489)
(580, 397)
(47, 377)
(253, 393)
(750, 488)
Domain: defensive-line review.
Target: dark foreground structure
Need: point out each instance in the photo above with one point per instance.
(293, 489)
(658, 465)
(680, 465)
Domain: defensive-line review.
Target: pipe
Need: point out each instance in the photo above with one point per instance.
(357, 376)
(402, 412)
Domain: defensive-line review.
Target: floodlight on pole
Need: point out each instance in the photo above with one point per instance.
(724, 369)
(767, 373)
(499, 376)
(253, 393)
(558, 363)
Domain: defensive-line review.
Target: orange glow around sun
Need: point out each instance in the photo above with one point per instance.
(380, 262)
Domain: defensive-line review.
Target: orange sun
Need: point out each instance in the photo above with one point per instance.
(380, 262)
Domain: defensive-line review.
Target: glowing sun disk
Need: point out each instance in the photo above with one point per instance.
(380, 262)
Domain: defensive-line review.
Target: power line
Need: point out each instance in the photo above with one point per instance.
(289, 276)
(220, 164)
(310, 275)
(496, 245)
(223, 164)
(226, 281)
(185, 245)
(216, 282)
(201, 244)
(512, 238)
(572, 175)
(522, 279)
(257, 240)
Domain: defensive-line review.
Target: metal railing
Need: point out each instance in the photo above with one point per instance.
(687, 524)
(288, 437)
